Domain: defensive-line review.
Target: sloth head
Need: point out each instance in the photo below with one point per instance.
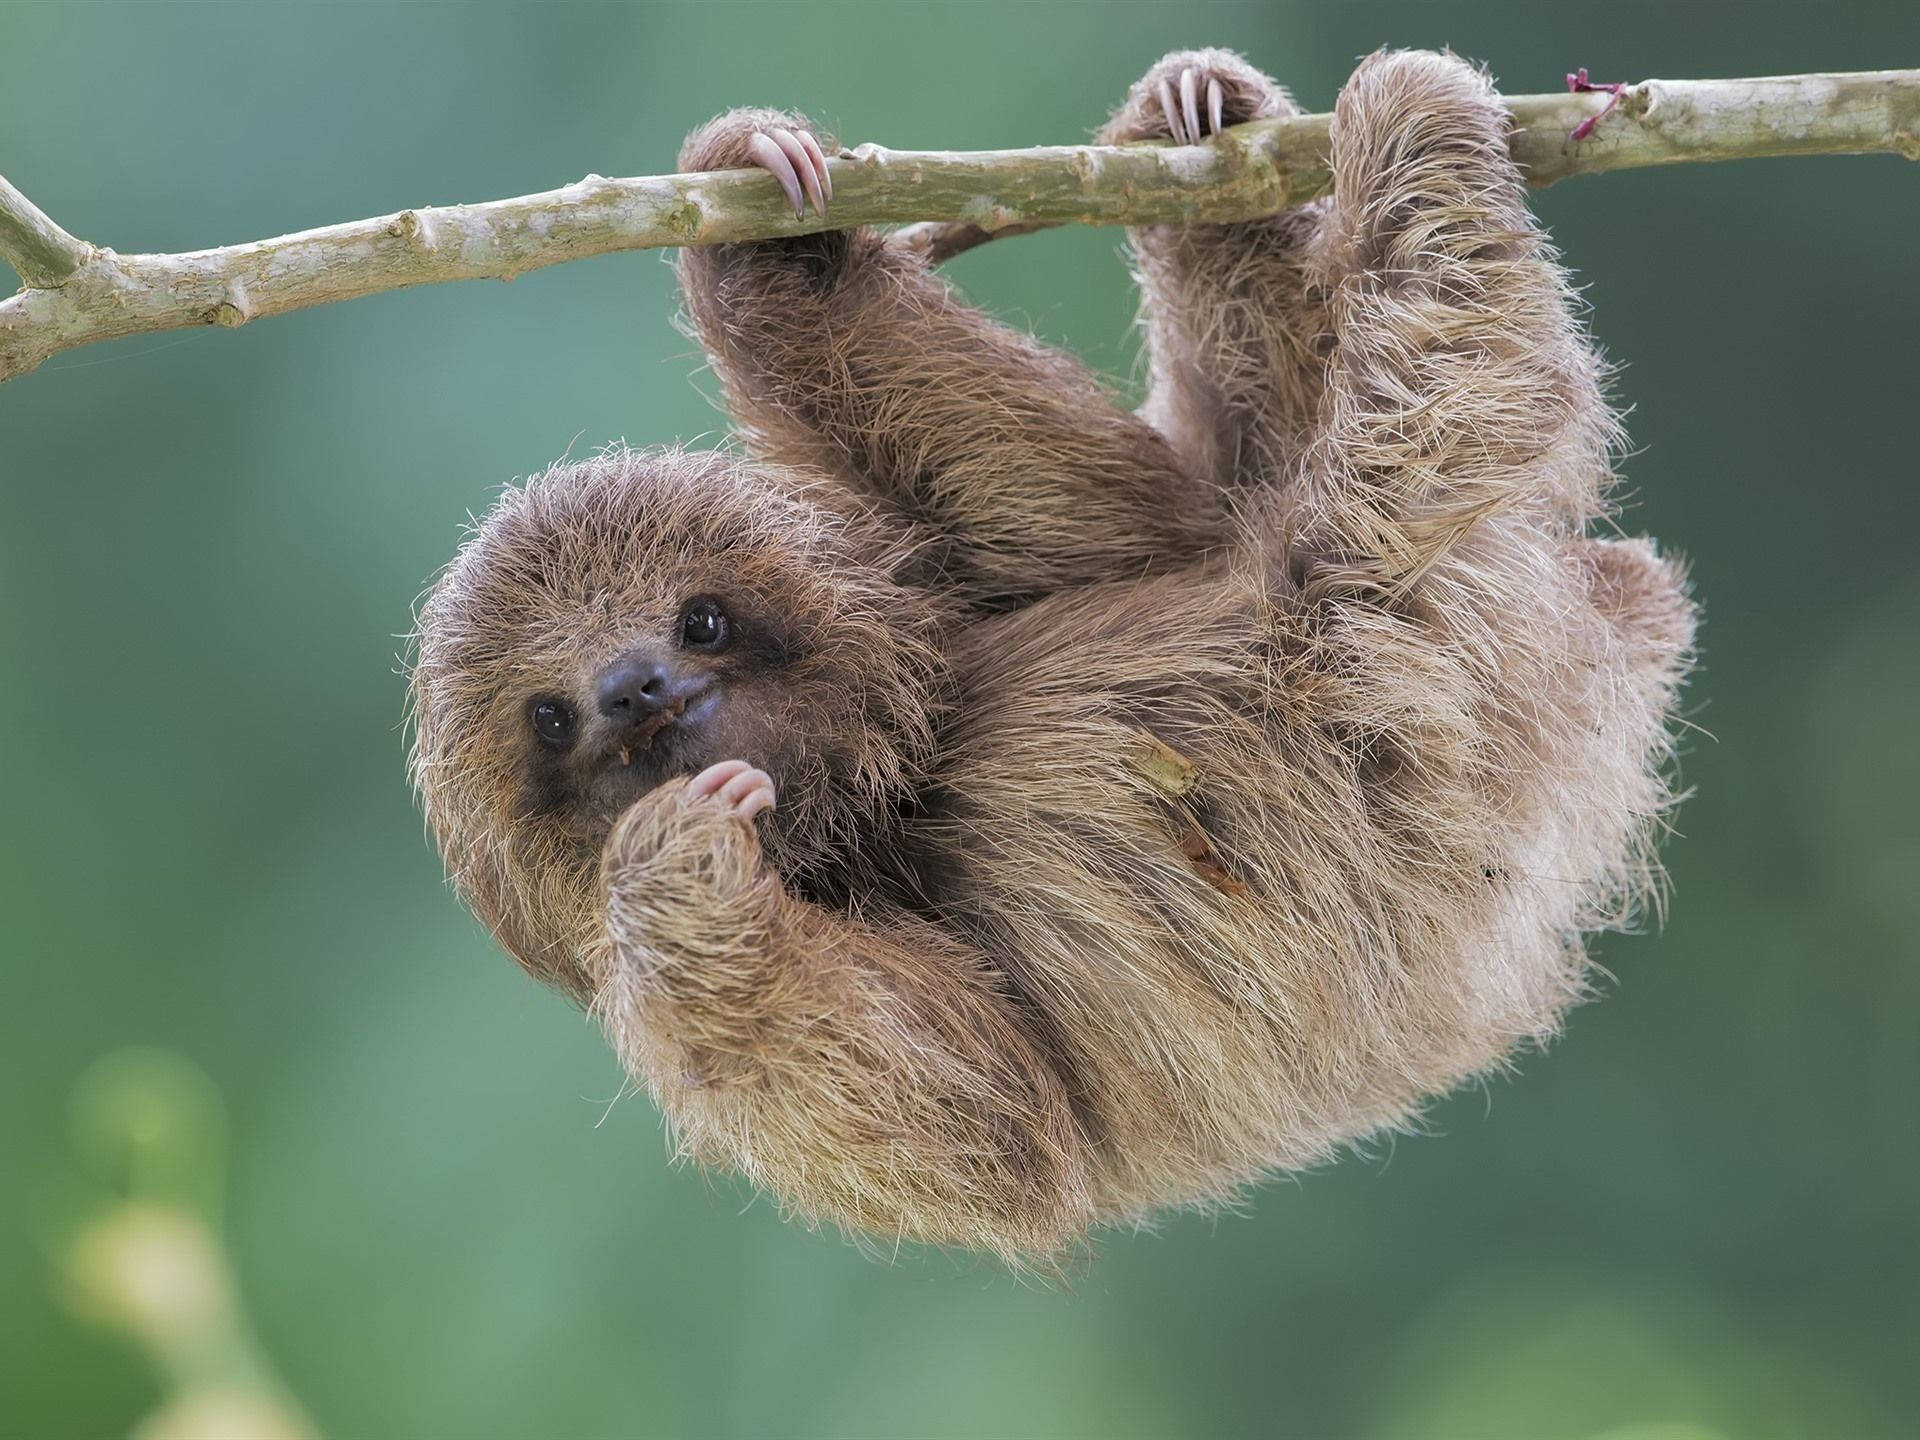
(615, 623)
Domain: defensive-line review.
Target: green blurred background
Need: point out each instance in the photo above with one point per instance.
(1697, 1216)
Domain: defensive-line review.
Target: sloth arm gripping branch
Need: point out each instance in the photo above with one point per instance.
(839, 352)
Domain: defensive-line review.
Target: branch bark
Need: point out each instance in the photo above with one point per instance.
(77, 294)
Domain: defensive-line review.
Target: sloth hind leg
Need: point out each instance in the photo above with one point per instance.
(1461, 385)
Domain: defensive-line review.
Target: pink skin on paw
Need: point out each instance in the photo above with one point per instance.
(1579, 84)
(795, 159)
(736, 784)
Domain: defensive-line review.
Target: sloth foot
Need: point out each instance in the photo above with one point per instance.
(735, 785)
(795, 159)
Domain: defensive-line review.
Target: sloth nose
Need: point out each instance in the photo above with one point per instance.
(634, 688)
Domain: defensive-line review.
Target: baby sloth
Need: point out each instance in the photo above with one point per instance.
(978, 813)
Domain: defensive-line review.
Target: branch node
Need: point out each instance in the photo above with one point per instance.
(412, 227)
(687, 219)
(989, 214)
(234, 310)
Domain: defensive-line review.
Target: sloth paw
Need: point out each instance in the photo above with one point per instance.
(795, 159)
(780, 142)
(1192, 95)
(735, 785)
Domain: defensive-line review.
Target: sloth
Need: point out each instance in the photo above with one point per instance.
(979, 814)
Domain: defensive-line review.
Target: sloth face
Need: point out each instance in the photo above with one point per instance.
(726, 677)
(640, 616)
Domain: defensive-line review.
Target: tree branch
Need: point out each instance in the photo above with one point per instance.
(77, 294)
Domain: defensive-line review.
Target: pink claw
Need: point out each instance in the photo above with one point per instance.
(766, 152)
(819, 159)
(802, 163)
(1189, 104)
(1579, 84)
(1216, 103)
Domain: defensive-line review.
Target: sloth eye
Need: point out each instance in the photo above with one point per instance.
(704, 626)
(554, 722)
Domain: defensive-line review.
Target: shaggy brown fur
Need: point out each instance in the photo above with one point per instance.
(984, 978)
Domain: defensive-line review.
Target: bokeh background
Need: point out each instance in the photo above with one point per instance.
(1697, 1216)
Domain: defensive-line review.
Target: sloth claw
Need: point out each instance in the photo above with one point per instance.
(819, 159)
(797, 162)
(1183, 115)
(740, 788)
(1189, 103)
(768, 155)
(1171, 111)
(802, 161)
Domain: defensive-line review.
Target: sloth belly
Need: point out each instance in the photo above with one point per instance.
(1111, 824)
(1225, 905)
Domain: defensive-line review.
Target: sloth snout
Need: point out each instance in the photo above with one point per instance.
(634, 688)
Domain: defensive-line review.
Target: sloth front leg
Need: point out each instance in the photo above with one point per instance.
(1234, 322)
(871, 1072)
(840, 352)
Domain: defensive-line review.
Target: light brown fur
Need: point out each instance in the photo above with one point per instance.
(981, 979)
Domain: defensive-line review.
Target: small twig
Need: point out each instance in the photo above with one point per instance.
(1579, 84)
(78, 294)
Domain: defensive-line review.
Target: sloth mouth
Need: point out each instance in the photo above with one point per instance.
(638, 739)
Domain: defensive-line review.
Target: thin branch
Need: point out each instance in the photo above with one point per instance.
(40, 252)
(79, 295)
